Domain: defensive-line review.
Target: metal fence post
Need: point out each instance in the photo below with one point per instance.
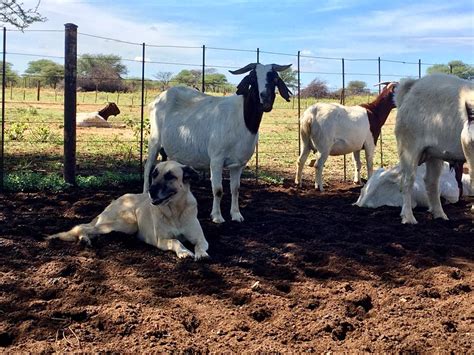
(343, 101)
(70, 83)
(299, 104)
(419, 68)
(256, 145)
(4, 83)
(381, 137)
(203, 87)
(142, 110)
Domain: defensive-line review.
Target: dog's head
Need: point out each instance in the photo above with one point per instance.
(170, 180)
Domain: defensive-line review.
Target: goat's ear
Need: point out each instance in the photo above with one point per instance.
(283, 90)
(189, 174)
(243, 87)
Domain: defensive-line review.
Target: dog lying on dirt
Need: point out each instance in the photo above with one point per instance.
(162, 217)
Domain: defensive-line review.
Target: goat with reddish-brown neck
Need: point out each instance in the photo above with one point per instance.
(333, 129)
(379, 109)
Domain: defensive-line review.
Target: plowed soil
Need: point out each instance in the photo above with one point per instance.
(305, 272)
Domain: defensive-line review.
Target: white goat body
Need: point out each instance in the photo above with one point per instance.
(432, 126)
(333, 129)
(91, 119)
(206, 131)
(383, 188)
(193, 127)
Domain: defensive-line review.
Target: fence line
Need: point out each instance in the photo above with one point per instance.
(71, 102)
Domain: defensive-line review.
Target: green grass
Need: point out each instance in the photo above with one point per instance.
(34, 137)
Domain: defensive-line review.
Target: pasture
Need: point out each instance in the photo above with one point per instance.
(305, 272)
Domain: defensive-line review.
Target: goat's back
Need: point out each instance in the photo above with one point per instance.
(432, 111)
(192, 126)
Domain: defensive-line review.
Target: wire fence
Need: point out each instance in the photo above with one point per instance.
(34, 106)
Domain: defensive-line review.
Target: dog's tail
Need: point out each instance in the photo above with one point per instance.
(72, 235)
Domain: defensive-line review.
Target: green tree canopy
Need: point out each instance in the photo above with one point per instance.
(455, 67)
(46, 70)
(10, 75)
(214, 81)
(316, 89)
(101, 72)
(15, 13)
(290, 77)
(188, 77)
(357, 87)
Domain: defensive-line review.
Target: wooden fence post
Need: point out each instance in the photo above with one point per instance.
(70, 85)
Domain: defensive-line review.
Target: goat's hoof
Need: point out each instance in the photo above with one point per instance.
(237, 217)
(218, 219)
(441, 215)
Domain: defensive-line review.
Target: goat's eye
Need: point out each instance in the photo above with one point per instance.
(169, 176)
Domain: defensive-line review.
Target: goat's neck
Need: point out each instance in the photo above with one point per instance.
(377, 112)
(253, 111)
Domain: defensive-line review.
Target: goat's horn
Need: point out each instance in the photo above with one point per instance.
(277, 67)
(383, 83)
(245, 69)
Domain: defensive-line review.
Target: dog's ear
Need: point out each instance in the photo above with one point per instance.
(152, 170)
(189, 174)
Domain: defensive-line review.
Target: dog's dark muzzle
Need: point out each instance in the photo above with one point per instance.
(160, 194)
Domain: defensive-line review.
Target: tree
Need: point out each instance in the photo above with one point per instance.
(290, 77)
(317, 89)
(455, 67)
(357, 87)
(164, 78)
(11, 76)
(188, 77)
(101, 72)
(213, 80)
(46, 70)
(15, 13)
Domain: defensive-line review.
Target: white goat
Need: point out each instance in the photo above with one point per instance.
(432, 125)
(202, 130)
(333, 129)
(383, 188)
(98, 118)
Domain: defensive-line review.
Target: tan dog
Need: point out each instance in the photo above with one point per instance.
(162, 217)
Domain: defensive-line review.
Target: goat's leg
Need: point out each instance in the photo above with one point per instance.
(323, 156)
(306, 149)
(369, 148)
(154, 147)
(433, 173)
(357, 166)
(408, 172)
(217, 190)
(235, 173)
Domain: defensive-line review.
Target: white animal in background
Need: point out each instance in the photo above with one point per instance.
(383, 188)
(333, 129)
(163, 217)
(202, 130)
(99, 118)
(434, 123)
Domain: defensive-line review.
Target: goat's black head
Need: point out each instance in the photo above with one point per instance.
(262, 80)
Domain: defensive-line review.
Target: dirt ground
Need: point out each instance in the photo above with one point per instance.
(305, 272)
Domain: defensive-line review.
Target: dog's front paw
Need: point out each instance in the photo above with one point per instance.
(184, 253)
(200, 254)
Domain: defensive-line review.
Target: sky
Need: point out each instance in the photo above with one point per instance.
(399, 32)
